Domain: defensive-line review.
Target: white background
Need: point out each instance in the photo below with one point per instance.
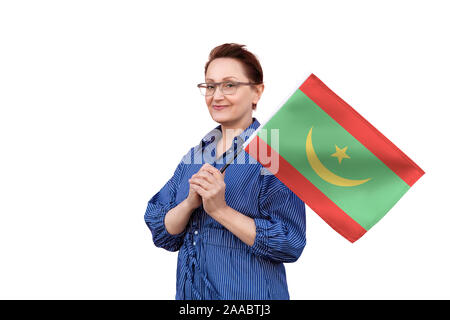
(98, 103)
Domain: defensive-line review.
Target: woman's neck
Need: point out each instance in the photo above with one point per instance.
(229, 131)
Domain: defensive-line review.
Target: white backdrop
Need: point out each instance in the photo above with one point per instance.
(98, 103)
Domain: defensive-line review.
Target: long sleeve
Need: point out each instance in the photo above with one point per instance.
(281, 232)
(157, 208)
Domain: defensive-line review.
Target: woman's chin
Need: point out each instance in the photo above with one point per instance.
(220, 116)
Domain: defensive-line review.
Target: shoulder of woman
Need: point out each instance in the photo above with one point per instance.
(188, 156)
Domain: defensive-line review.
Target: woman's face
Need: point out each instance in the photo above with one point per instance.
(239, 105)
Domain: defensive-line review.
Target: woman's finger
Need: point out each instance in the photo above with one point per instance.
(208, 176)
(209, 168)
(201, 182)
(199, 189)
(215, 173)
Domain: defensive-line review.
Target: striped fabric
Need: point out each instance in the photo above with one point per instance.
(212, 262)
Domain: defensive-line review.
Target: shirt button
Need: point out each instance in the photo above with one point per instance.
(195, 232)
(194, 243)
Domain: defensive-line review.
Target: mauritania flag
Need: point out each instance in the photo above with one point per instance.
(340, 165)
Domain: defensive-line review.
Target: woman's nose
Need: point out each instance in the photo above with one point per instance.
(218, 93)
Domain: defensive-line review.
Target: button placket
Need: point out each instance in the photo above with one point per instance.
(195, 238)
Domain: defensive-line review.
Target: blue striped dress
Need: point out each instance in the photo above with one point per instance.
(212, 262)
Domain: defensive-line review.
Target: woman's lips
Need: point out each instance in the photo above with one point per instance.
(219, 107)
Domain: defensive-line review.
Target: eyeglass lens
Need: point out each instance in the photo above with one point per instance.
(208, 89)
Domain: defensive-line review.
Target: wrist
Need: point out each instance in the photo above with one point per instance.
(220, 213)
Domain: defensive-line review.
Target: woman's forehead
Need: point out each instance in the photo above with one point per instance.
(224, 69)
(223, 79)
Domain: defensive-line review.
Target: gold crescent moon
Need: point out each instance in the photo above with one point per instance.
(323, 172)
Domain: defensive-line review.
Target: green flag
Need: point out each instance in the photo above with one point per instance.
(333, 159)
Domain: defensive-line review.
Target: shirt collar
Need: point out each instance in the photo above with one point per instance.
(239, 139)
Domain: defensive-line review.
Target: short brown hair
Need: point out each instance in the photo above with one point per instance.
(252, 67)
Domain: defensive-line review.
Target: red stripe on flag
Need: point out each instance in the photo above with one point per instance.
(361, 130)
(305, 190)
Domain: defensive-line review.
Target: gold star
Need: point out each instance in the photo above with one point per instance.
(340, 153)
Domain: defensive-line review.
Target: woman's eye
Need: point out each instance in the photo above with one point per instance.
(209, 87)
(230, 85)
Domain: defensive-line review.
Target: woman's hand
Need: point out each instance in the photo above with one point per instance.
(193, 199)
(209, 183)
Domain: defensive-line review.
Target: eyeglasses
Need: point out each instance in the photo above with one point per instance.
(226, 87)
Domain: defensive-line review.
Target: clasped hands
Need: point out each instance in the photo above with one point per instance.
(207, 186)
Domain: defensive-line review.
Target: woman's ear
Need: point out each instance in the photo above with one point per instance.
(259, 91)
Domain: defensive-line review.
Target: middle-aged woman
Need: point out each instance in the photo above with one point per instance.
(233, 230)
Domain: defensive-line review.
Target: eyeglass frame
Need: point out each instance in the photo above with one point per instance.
(220, 87)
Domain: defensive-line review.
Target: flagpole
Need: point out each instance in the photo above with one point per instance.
(231, 160)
